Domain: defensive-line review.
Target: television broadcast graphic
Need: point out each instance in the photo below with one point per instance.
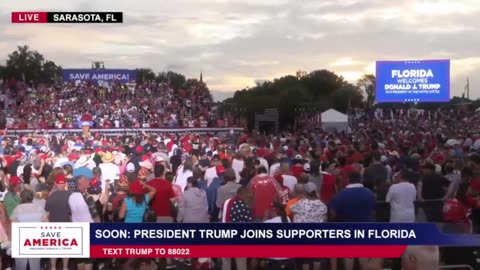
(43, 240)
(238, 135)
(67, 17)
(413, 81)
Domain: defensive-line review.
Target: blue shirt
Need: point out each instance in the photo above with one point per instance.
(83, 171)
(212, 190)
(354, 204)
(135, 213)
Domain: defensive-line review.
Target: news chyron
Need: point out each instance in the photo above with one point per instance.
(67, 17)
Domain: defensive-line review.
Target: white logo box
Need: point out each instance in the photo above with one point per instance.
(50, 240)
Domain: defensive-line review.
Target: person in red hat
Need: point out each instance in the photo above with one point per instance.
(135, 204)
(86, 122)
(12, 197)
(57, 207)
(212, 192)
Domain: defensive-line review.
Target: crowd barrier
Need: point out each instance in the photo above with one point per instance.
(456, 267)
(127, 131)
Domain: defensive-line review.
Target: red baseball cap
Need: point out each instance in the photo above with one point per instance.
(220, 170)
(15, 180)
(60, 179)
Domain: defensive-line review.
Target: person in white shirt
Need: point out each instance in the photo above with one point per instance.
(110, 171)
(310, 209)
(80, 212)
(278, 215)
(401, 197)
(260, 153)
(211, 172)
(184, 172)
(59, 162)
(27, 211)
(237, 165)
(274, 168)
(288, 180)
(79, 208)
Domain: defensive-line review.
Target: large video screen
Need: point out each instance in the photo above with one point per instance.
(413, 81)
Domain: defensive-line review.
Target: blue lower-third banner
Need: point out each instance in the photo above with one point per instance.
(227, 240)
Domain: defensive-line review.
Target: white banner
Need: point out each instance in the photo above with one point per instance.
(50, 240)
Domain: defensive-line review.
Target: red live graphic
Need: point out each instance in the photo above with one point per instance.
(29, 17)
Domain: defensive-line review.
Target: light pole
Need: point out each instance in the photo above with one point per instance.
(98, 65)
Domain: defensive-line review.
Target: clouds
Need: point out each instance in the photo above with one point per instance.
(236, 42)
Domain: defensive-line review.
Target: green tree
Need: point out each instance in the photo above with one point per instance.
(20, 60)
(345, 97)
(30, 66)
(367, 84)
(322, 83)
(3, 75)
(51, 72)
(145, 74)
(176, 80)
(319, 90)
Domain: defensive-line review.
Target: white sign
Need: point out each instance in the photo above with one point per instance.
(50, 240)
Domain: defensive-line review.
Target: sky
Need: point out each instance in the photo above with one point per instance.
(238, 42)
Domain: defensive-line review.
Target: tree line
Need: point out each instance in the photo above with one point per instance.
(320, 90)
(316, 91)
(27, 65)
(313, 92)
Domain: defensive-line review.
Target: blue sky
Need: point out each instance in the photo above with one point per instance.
(238, 42)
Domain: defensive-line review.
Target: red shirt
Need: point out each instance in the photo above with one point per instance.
(345, 171)
(355, 157)
(297, 171)
(475, 187)
(328, 187)
(264, 189)
(161, 202)
(439, 158)
(9, 160)
(117, 199)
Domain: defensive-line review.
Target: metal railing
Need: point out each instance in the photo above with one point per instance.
(126, 131)
(456, 267)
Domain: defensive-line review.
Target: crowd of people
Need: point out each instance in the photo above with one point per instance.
(390, 166)
(142, 105)
(378, 172)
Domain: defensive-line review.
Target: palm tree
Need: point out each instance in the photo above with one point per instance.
(35, 64)
(51, 72)
(20, 59)
(368, 84)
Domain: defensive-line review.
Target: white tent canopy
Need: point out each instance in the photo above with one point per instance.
(333, 116)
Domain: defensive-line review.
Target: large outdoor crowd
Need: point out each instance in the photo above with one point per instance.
(143, 105)
(388, 166)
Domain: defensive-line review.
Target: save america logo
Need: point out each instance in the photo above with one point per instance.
(50, 240)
